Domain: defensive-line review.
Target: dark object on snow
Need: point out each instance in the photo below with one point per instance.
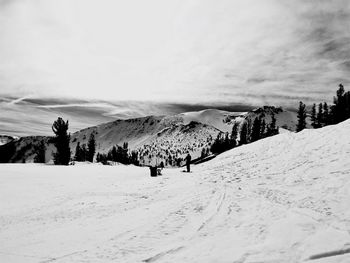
(188, 162)
(159, 171)
(61, 142)
(153, 170)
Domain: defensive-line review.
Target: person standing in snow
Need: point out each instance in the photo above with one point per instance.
(188, 161)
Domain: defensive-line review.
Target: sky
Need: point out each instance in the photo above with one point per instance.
(237, 52)
(29, 116)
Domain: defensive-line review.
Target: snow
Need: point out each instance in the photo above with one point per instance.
(4, 139)
(281, 199)
(217, 118)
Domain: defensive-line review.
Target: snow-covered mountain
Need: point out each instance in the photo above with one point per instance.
(158, 131)
(154, 137)
(282, 199)
(4, 139)
(223, 120)
(157, 137)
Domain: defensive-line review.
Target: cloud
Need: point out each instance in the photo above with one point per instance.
(193, 52)
(34, 116)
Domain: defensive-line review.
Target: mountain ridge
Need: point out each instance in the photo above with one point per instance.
(158, 136)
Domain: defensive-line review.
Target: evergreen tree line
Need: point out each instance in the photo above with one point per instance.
(62, 156)
(39, 151)
(61, 141)
(119, 154)
(83, 153)
(322, 115)
(248, 132)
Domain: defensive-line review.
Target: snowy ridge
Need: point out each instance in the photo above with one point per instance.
(153, 134)
(282, 199)
(219, 119)
(4, 139)
(156, 137)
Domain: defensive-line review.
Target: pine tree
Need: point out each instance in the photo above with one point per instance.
(234, 134)
(102, 158)
(40, 150)
(134, 158)
(61, 142)
(244, 133)
(272, 129)
(249, 129)
(83, 153)
(263, 129)
(338, 110)
(77, 156)
(217, 146)
(227, 142)
(112, 154)
(256, 130)
(346, 101)
(91, 148)
(301, 117)
(325, 114)
(320, 115)
(313, 116)
(123, 156)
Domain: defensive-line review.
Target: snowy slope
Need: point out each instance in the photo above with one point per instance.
(219, 119)
(284, 118)
(176, 141)
(153, 134)
(281, 199)
(223, 120)
(4, 139)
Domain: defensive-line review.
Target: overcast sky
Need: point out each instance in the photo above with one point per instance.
(195, 51)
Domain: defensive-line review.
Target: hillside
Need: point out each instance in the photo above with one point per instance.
(282, 199)
(176, 141)
(22, 150)
(156, 138)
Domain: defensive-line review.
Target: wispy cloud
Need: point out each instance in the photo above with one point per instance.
(249, 52)
(34, 116)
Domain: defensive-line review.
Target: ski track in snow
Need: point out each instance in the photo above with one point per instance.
(282, 199)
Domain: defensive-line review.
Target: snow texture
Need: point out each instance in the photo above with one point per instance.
(281, 199)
